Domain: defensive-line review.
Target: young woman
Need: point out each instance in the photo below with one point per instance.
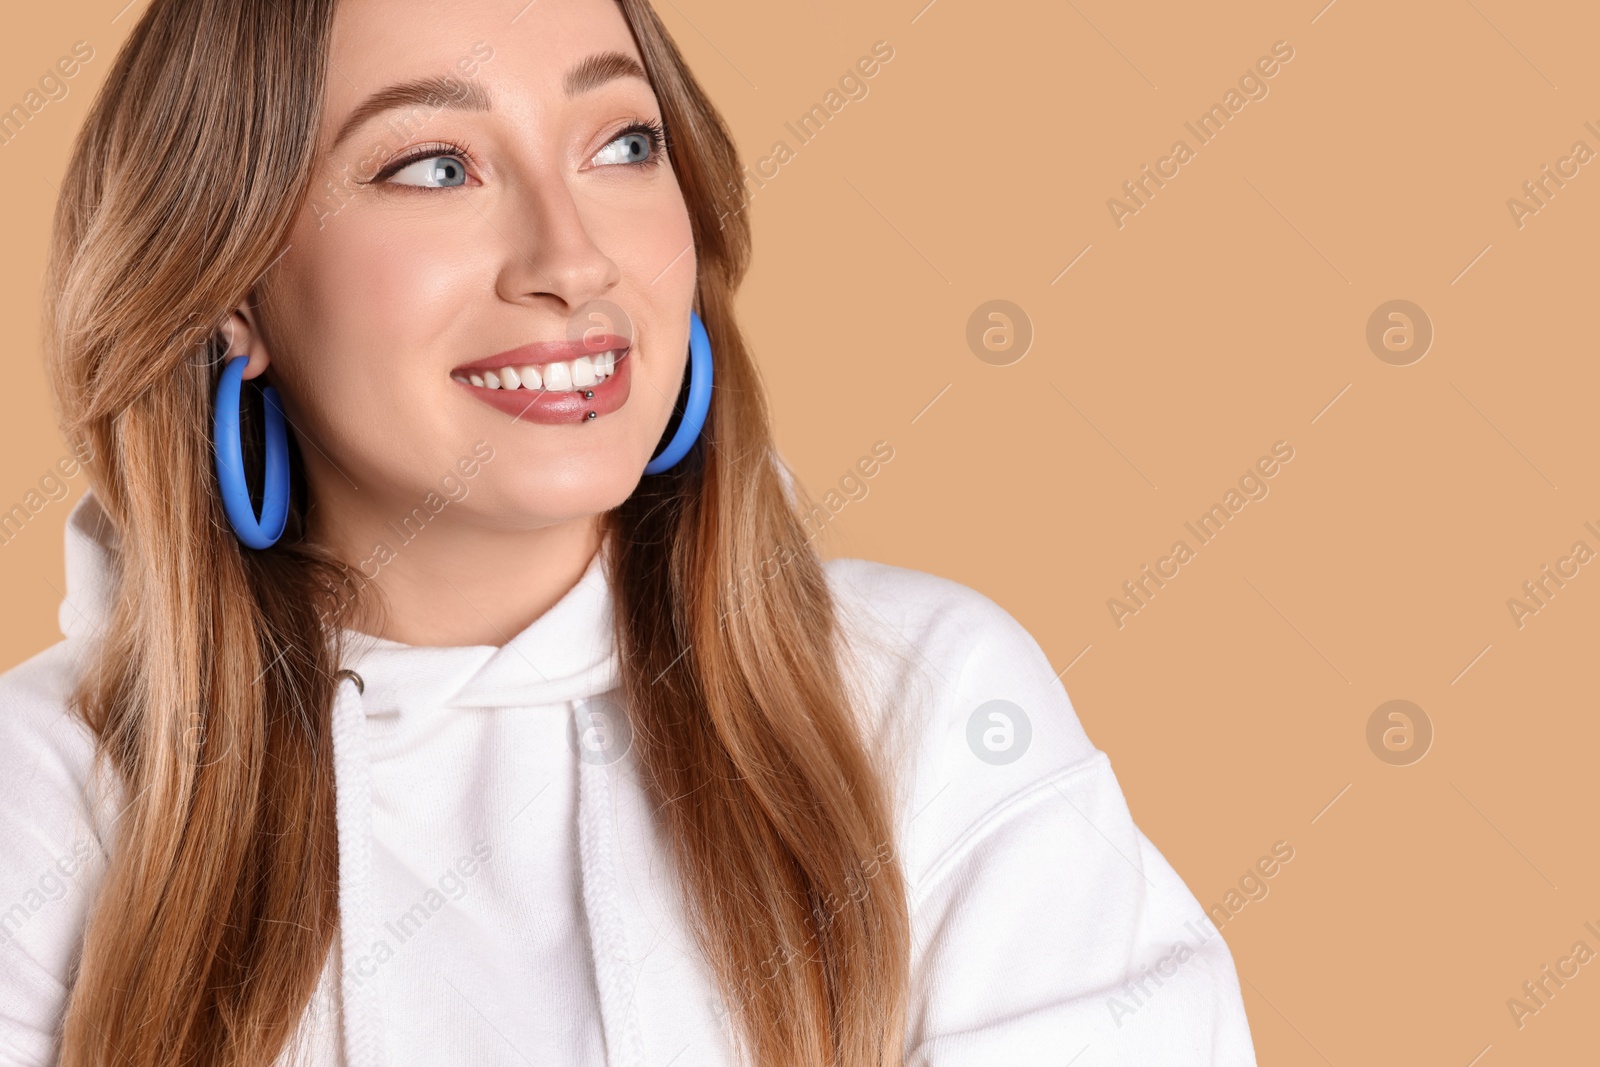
(472, 693)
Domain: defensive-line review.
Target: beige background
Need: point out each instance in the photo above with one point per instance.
(1227, 314)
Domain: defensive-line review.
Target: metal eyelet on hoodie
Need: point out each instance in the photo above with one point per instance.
(361, 686)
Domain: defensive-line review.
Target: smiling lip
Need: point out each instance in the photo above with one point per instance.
(538, 405)
(548, 352)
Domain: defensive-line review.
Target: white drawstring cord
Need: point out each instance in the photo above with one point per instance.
(353, 802)
(600, 900)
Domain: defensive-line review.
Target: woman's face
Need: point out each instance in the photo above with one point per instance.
(523, 204)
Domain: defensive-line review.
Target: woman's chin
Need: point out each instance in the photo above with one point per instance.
(533, 501)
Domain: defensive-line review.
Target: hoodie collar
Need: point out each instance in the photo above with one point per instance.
(568, 653)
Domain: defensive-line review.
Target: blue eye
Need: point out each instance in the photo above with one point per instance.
(430, 172)
(635, 148)
(640, 145)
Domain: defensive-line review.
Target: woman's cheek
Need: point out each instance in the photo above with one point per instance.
(412, 271)
(393, 306)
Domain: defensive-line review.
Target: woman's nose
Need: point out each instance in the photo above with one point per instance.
(551, 250)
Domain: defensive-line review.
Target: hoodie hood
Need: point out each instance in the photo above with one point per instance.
(565, 657)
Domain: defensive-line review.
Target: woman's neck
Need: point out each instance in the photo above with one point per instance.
(447, 582)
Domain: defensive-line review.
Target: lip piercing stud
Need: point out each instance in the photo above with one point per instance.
(590, 415)
(588, 394)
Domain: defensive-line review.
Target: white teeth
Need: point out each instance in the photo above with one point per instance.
(559, 377)
(462, 378)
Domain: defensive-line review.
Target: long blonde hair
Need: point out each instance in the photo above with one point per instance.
(211, 695)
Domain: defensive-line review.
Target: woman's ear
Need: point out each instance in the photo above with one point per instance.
(243, 338)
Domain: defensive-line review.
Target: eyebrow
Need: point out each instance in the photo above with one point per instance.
(600, 68)
(439, 91)
(460, 94)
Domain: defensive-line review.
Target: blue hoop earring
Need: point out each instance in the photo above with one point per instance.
(255, 532)
(699, 402)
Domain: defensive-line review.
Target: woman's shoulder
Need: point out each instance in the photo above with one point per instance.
(47, 760)
(918, 604)
(923, 628)
(958, 694)
(1038, 899)
(939, 614)
(42, 739)
(53, 841)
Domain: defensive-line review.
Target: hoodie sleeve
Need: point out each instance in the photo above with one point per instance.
(1046, 928)
(1054, 931)
(52, 855)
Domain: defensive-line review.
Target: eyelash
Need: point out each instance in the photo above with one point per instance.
(427, 151)
(654, 129)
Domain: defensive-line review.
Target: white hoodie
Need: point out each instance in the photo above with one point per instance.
(504, 897)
